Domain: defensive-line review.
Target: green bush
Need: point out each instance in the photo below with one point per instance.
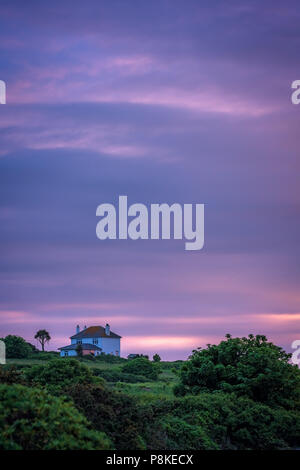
(86, 357)
(17, 347)
(220, 421)
(172, 365)
(30, 419)
(11, 375)
(156, 358)
(180, 434)
(111, 412)
(58, 374)
(251, 367)
(110, 359)
(34, 349)
(44, 356)
(142, 366)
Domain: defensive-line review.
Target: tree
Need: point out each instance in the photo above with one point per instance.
(251, 367)
(43, 337)
(156, 358)
(16, 347)
(34, 349)
(79, 350)
(31, 419)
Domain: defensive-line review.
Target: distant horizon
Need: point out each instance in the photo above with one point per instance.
(138, 349)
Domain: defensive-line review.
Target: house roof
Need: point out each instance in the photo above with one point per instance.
(94, 332)
(85, 347)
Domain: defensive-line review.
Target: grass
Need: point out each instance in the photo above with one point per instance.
(145, 391)
(148, 391)
(102, 365)
(91, 364)
(26, 362)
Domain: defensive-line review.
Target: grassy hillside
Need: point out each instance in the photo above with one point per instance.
(143, 390)
(240, 394)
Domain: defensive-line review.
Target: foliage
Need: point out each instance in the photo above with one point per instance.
(220, 401)
(58, 374)
(119, 376)
(251, 367)
(180, 434)
(43, 337)
(44, 356)
(16, 347)
(142, 366)
(31, 419)
(156, 358)
(88, 357)
(113, 413)
(135, 356)
(110, 359)
(34, 350)
(11, 375)
(223, 421)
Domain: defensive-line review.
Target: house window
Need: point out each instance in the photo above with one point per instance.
(95, 341)
(79, 341)
(66, 353)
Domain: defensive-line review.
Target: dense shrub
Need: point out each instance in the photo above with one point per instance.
(34, 350)
(251, 367)
(180, 434)
(116, 414)
(32, 419)
(17, 347)
(175, 365)
(44, 356)
(11, 375)
(110, 359)
(86, 357)
(220, 421)
(58, 374)
(142, 366)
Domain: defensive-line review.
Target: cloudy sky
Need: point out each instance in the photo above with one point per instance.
(164, 101)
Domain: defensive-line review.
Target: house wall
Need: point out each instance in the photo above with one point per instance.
(111, 346)
(108, 345)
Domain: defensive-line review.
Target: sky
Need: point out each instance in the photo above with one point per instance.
(163, 101)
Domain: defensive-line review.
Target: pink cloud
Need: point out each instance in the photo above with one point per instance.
(101, 79)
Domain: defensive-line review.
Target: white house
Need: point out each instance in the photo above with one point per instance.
(94, 340)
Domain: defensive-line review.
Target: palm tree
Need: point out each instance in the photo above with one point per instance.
(43, 337)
